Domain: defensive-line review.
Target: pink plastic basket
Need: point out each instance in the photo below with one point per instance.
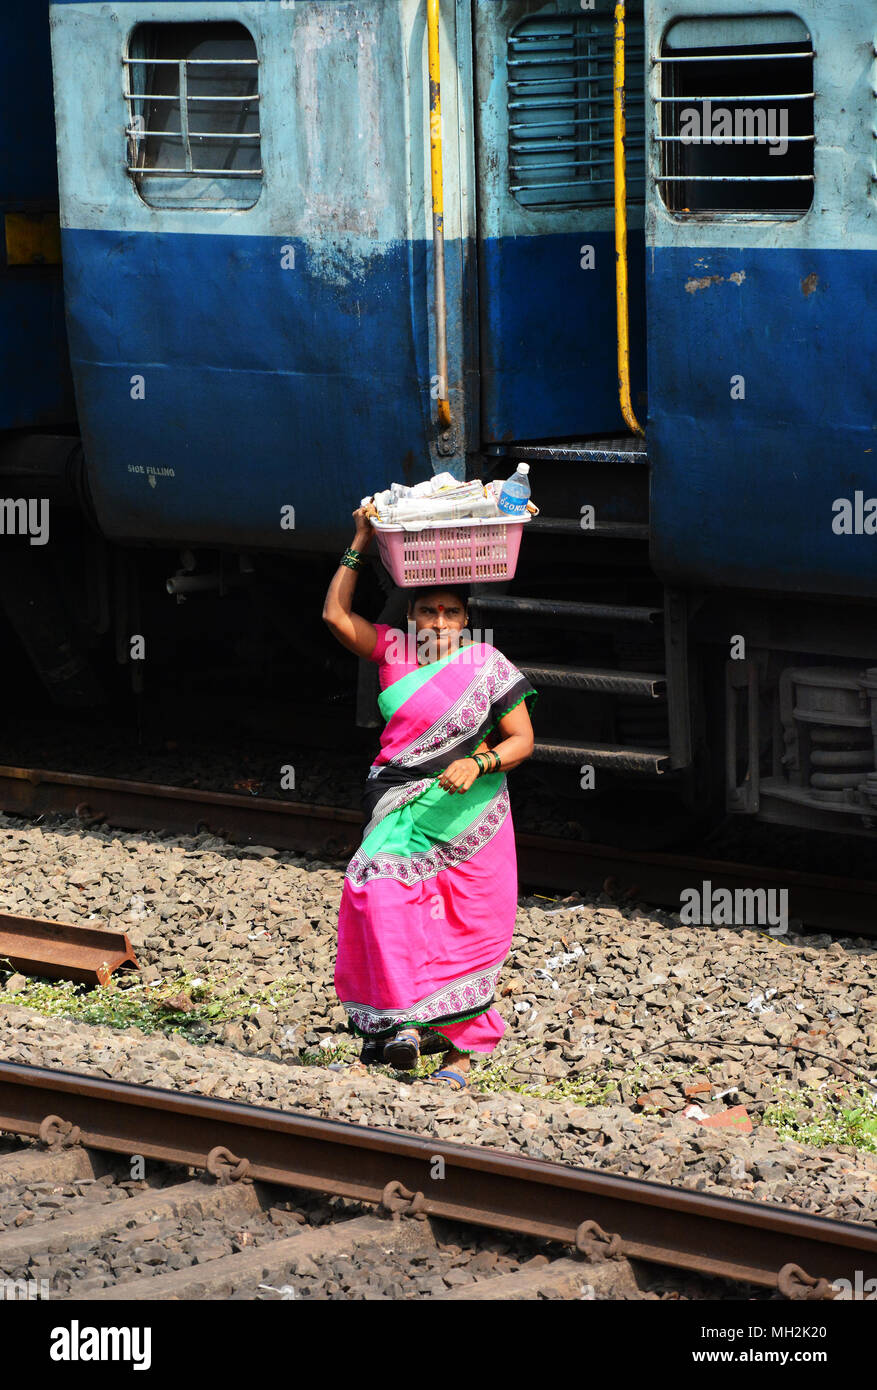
(480, 551)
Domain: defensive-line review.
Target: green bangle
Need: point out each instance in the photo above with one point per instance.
(498, 763)
(352, 559)
(477, 758)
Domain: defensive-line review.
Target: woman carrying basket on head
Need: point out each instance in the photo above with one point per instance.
(429, 900)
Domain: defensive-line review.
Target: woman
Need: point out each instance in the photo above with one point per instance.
(429, 900)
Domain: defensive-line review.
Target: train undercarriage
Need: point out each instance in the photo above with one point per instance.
(660, 708)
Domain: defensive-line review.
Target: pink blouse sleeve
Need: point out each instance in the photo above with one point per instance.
(383, 630)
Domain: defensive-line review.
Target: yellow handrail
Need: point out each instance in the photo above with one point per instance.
(621, 294)
(438, 212)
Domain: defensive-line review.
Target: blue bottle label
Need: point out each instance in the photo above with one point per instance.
(513, 506)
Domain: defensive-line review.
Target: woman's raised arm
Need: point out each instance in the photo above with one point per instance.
(353, 632)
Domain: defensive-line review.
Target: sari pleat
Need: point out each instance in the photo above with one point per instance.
(429, 899)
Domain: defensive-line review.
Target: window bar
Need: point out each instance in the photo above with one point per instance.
(590, 78)
(725, 139)
(187, 173)
(557, 103)
(156, 96)
(752, 96)
(174, 62)
(730, 57)
(547, 146)
(736, 178)
(549, 59)
(184, 113)
(573, 183)
(568, 164)
(196, 134)
(683, 195)
(549, 125)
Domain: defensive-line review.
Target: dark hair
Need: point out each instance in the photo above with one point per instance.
(459, 593)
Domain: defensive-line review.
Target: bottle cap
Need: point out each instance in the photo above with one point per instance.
(523, 468)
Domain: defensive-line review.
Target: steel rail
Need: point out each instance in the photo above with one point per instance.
(64, 950)
(719, 1236)
(819, 901)
(155, 806)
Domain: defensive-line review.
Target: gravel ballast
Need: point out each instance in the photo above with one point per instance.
(622, 1015)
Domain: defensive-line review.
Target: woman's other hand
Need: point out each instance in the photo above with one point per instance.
(459, 776)
(364, 532)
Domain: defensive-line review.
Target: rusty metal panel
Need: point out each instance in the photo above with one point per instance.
(62, 951)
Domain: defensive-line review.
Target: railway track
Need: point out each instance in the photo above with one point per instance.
(818, 901)
(237, 1233)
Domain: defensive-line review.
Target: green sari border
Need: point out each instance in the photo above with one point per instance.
(401, 690)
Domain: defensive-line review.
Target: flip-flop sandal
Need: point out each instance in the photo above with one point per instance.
(403, 1051)
(448, 1078)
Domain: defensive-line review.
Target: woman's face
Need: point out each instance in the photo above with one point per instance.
(442, 614)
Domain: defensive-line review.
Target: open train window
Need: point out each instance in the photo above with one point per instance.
(736, 132)
(560, 96)
(193, 106)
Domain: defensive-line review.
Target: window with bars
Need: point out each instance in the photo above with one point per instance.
(560, 97)
(193, 108)
(736, 124)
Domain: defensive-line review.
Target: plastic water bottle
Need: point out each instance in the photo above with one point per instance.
(515, 492)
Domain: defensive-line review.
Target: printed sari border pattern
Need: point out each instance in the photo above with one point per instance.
(472, 992)
(411, 868)
(465, 716)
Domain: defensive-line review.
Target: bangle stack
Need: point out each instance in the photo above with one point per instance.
(352, 559)
(484, 763)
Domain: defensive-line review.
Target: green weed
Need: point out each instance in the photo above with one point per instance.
(186, 1004)
(820, 1117)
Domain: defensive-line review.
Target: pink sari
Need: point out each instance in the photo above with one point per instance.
(429, 900)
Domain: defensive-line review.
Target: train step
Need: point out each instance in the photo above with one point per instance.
(649, 761)
(613, 530)
(565, 609)
(604, 682)
(626, 448)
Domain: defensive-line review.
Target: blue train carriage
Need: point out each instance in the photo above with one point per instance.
(762, 431)
(254, 292)
(247, 222)
(255, 298)
(248, 244)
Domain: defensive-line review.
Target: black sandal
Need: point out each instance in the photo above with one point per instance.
(403, 1051)
(372, 1053)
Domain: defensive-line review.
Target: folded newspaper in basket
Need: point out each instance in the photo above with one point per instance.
(442, 498)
